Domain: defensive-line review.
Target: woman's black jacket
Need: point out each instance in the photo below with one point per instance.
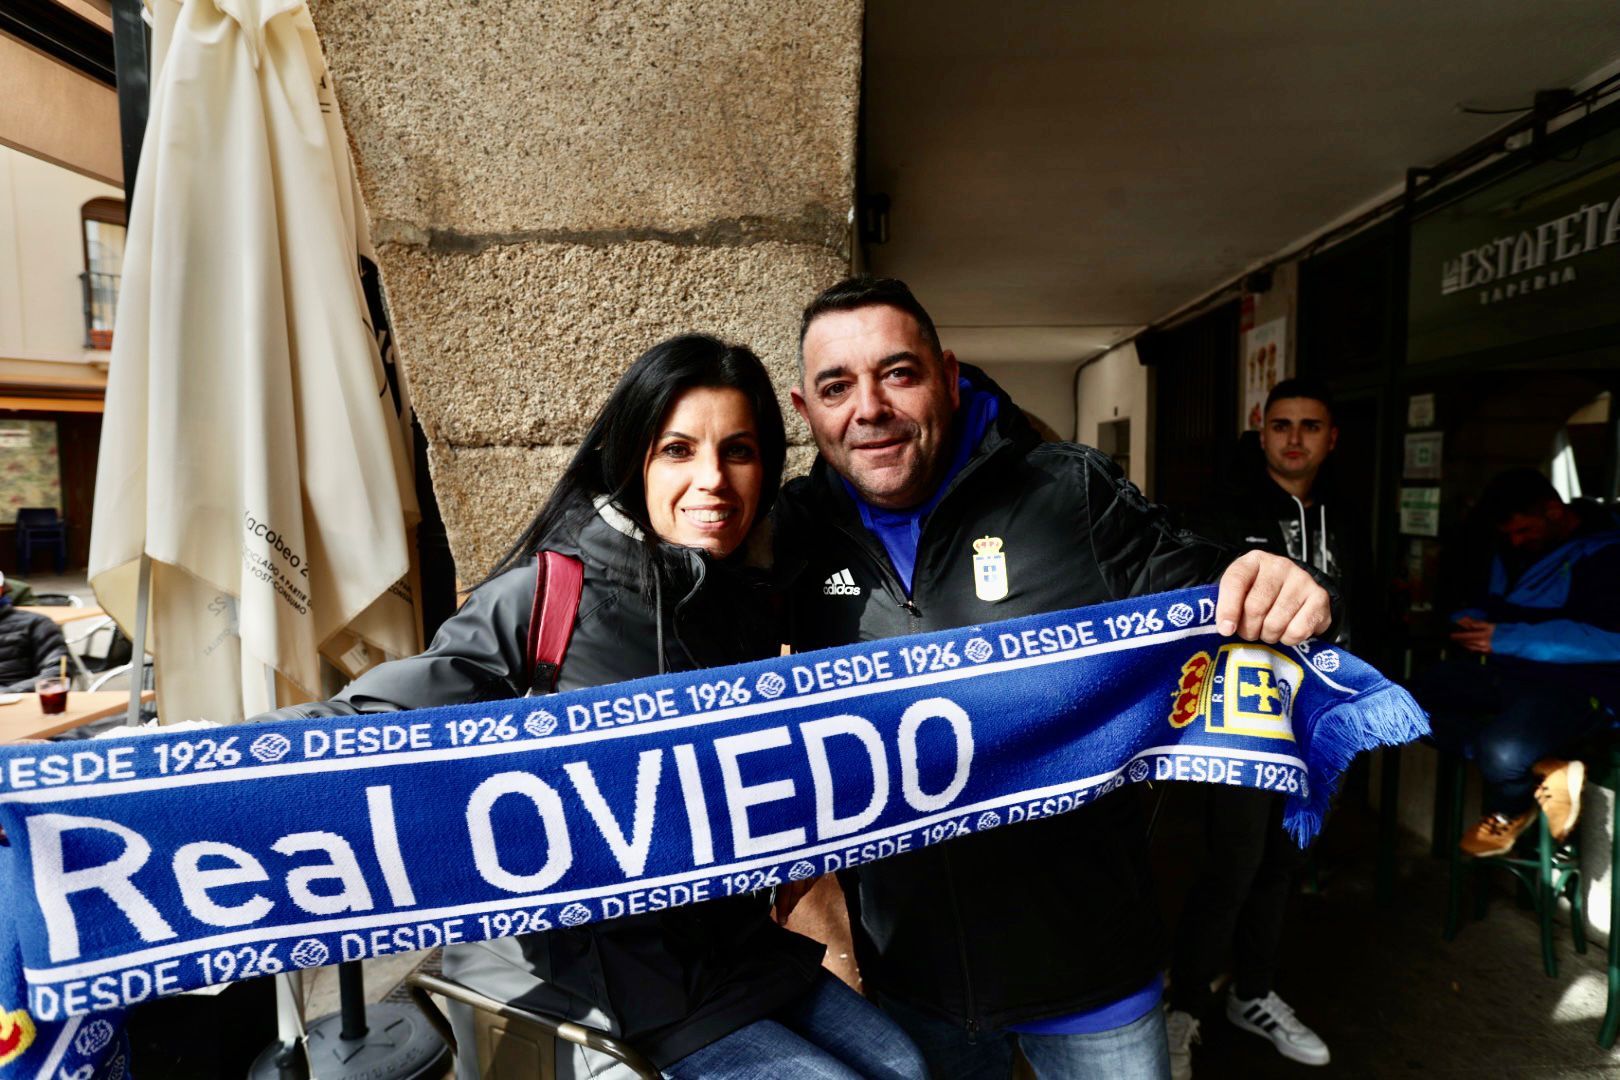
(669, 982)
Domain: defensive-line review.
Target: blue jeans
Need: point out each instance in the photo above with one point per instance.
(1506, 723)
(1137, 1051)
(832, 1033)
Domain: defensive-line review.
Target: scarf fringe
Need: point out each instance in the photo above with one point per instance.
(1384, 717)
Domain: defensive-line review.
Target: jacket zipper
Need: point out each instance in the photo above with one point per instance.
(961, 943)
(862, 537)
(891, 580)
(699, 577)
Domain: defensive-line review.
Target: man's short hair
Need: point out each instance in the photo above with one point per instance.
(865, 291)
(1302, 387)
(1516, 491)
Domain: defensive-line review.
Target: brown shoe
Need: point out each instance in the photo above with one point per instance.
(1494, 834)
(1559, 794)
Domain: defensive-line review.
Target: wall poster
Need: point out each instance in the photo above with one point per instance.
(30, 473)
(1265, 362)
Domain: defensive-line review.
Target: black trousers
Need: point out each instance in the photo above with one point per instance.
(1235, 907)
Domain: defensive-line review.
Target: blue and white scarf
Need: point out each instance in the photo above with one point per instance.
(146, 866)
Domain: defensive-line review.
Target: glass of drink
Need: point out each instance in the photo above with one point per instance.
(52, 695)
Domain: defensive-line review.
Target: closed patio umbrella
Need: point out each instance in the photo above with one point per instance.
(250, 447)
(252, 471)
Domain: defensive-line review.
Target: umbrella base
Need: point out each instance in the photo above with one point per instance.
(398, 1044)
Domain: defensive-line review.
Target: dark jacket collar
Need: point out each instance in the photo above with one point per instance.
(611, 540)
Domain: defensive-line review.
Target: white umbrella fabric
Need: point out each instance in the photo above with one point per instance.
(250, 445)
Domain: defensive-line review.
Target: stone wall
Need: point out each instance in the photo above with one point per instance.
(555, 185)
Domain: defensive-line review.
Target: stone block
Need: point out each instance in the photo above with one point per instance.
(519, 345)
(577, 116)
(799, 458)
(487, 494)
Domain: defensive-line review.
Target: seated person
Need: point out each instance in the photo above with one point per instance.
(1545, 669)
(31, 645)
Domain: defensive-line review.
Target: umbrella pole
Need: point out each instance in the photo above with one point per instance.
(386, 1039)
(288, 1057)
(352, 1000)
(137, 658)
(378, 1040)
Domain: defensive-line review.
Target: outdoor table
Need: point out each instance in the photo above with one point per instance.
(64, 614)
(23, 720)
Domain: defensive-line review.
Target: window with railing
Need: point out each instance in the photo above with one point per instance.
(103, 221)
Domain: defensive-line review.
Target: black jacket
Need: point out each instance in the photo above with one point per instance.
(31, 646)
(669, 982)
(1046, 917)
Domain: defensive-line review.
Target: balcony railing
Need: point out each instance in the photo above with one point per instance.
(100, 302)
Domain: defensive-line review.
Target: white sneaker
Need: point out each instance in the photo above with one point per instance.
(1182, 1028)
(1271, 1018)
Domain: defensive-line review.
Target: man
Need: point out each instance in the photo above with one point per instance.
(1279, 501)
(1042, 935)
(1235, 907)
(31, 646)
(1542, 669)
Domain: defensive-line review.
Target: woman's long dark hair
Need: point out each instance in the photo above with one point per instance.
(613, 455)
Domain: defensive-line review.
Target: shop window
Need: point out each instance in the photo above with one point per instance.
(103, 224)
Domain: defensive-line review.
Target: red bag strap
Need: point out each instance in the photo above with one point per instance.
(559, 579)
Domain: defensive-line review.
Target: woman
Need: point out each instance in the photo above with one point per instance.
(659, 504)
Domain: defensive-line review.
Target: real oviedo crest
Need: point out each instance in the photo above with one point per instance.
(989, 569)
(1244, 689)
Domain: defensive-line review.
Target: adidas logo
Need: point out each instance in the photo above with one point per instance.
(840, 584)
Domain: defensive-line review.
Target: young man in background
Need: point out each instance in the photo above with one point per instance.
(1281, 504)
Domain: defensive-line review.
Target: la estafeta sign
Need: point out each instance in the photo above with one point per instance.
(1530, 260)
(1533, 256)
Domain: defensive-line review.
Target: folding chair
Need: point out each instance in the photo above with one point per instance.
(78, 635)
